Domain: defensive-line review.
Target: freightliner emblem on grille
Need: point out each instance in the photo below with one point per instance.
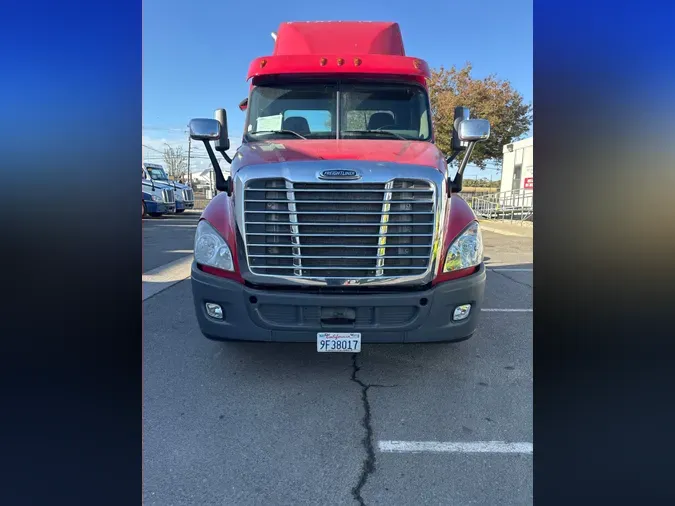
(339, 174)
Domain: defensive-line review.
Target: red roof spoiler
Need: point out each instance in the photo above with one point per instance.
(335, 37)
(345, 47)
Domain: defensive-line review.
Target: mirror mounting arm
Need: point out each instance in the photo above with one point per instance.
(222, 184)
(452, 156)
(455, 185)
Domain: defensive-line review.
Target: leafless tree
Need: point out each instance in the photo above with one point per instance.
(175, 160)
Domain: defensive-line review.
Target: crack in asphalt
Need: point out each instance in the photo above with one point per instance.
(512, 279)
(368, 466)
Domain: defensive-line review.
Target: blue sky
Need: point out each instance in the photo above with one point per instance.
(195, 58)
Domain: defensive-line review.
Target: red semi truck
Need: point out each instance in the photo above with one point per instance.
(339, 222)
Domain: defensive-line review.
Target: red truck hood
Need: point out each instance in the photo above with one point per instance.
(295, 150)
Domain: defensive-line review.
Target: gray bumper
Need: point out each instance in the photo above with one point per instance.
(291, 316)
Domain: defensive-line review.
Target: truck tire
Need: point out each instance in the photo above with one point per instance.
(145, 210)
(178, 211)
(155, 215)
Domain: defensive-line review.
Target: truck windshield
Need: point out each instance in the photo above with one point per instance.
(157, 174)
(366, 110)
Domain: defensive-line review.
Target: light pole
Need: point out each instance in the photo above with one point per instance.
(188, 168)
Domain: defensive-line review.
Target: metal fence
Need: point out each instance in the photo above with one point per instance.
(202, 196)
(471, 194)
(512, 205)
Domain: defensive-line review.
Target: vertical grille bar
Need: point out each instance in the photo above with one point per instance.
(295, 239)
(384, 220)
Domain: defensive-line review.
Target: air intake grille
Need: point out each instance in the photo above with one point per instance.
(339, 230)
(169, 196)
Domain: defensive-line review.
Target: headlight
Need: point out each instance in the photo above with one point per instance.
(179, 194)
(157, 198)
(211, 249)
(465, 251)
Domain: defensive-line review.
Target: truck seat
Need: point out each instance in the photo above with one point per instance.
(297, 124)
(379, 120)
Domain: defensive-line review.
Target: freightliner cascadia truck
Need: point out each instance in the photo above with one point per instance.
(183, 193)
(339, 222)
(157, 197)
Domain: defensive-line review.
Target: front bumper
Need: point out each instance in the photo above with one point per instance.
(252, 314)
(181, 205)
(159, 207)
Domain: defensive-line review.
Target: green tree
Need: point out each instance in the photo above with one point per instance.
(489, 98)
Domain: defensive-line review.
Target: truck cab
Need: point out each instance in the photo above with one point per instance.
(182, 192)
(339, 222)
(157, 197)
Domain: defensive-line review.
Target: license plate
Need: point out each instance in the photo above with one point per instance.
(338, 342)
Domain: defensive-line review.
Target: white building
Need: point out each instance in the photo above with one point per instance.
(518, 166)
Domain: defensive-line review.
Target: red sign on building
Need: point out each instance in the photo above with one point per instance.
(529, 183)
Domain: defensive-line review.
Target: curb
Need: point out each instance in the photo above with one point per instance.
(159, 279)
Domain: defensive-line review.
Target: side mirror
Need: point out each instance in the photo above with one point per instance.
(467, 132)
(206, 130)
(461, 114)
(223, 141)
(474, 130)
(203, 129)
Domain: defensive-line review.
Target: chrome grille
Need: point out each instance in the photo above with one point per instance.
(339, 230)
(169, 196)
(188, 195)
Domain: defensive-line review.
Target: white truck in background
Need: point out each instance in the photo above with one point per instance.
(157, 197)
(185, 198)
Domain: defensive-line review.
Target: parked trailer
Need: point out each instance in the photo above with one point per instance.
(339, 223)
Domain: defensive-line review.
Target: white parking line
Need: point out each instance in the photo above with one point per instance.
(451, 447)
(184, 251)
(498, 269)
(498, 310)
(167, 275)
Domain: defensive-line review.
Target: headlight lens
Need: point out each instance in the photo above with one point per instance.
(211, 249)
(466, 251)
(157, 198)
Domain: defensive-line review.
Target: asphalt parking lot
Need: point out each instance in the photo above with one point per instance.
(280, 424)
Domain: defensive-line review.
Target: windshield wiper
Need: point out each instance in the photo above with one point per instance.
(376, 132)
(276, 132)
